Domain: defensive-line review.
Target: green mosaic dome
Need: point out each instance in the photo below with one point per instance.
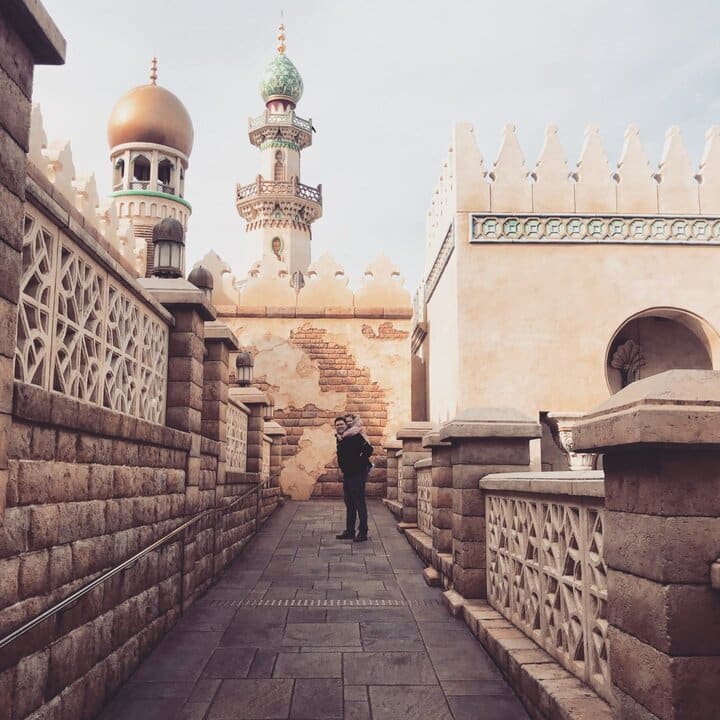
(281, 80)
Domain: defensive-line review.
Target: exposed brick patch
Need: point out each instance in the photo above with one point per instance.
(339, 372)
(385, 331)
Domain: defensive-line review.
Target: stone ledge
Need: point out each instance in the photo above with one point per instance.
(414, 430)
(586, 483)
(420, 543)
(490, 422)
(424, 463)
(36, 405)
(393, 506)
(38, 31)
(680, 407)
(548, 691)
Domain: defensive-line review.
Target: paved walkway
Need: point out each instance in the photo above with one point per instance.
(306, 626)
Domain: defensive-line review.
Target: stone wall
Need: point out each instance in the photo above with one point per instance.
(321, 351)
(319, 367)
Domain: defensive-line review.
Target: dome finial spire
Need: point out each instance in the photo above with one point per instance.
(281, 36)
(153, 71)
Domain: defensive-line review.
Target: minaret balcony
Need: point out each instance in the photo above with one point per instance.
(280, 126)
(279, 202)
(267, 189)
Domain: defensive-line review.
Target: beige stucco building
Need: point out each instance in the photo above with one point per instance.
(548, 289)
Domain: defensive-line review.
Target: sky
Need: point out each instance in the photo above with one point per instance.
(384, 84)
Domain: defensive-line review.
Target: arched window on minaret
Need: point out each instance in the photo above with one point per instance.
(119, 174)
(165, 174)
(279, 172)
(141, 172)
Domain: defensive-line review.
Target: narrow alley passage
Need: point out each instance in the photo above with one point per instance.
(305, 626)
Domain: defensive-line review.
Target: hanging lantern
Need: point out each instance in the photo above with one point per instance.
(270, 408)
(168, 249)
(244, 363)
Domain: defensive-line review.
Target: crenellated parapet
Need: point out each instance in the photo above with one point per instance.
(632, 187)
(54, 160)
(325, 290)
(630, 202)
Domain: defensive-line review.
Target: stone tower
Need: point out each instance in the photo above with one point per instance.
(150, 134)
(277, 208)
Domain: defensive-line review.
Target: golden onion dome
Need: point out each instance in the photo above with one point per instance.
(150, 113)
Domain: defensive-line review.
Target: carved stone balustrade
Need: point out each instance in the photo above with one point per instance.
(546, 571)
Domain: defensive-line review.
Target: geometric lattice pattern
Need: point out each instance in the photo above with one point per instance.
(237, 426)
(265, 460)
(546, 574)
(82, 333)
(400, 481)
(424, 504)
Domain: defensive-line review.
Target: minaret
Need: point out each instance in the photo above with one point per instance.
(277, 208)
(150, 134)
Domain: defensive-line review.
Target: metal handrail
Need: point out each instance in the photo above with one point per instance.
(73, 599)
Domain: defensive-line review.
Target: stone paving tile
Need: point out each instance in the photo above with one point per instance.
(327, 660)
(470, 707)
(317, 699)
(409, 703)
(322, 634)
(388, 668)
(378, 636)
(230, 662)
(308, 665)
(251, 700)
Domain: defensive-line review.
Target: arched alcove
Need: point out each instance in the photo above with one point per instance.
(660, 339)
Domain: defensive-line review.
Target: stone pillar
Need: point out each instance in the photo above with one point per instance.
(256, 401)
(391, 447)
(191, 309)
(440, 495)
(278, 434)
(661, 442)
(483, 440)
(28, 37)
(220, 341)
(411, 436)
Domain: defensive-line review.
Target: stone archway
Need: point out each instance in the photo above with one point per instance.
(660, 339)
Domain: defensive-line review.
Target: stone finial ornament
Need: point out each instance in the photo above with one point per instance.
(677, 186)
(153, 71)
(86, 196)
(510, 191)
(269, 286)
(38, 138)
(326, 285)
(60, 167)
(709, 174)
(595, 190)
(552, 191)
(382, 286)
(636, 187)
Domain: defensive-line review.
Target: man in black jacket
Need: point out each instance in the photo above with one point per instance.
(353, 453)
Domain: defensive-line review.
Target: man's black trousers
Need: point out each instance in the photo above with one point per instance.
(354, 492)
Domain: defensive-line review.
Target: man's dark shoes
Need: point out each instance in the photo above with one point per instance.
(347, 535)
(360, 537)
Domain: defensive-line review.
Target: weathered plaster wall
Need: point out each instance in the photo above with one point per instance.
(536, 320)
(319, 367)
(442, 344)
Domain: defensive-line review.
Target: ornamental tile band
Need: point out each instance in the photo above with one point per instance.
(594, 229)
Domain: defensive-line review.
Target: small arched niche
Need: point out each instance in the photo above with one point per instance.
(660, 339)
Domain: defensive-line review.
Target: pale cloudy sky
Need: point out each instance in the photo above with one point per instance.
(384, 83)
